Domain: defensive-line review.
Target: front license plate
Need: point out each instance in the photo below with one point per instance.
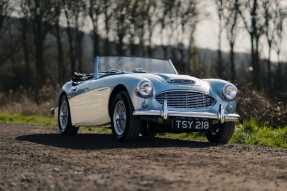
(191, 124)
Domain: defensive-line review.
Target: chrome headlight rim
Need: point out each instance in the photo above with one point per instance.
(230, 92)
(145, 89)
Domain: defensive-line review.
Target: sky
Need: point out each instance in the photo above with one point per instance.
(207, 30)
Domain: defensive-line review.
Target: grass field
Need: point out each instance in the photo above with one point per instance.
(249, 132)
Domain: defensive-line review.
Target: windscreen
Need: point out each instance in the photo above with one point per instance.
(133, 64)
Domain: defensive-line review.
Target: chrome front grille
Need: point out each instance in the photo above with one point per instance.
(186, 99)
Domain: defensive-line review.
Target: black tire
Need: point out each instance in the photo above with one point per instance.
(221, 133)
(69, 129)
(132, 125)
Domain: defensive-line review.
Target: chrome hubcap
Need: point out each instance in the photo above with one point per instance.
(64, 114)
(120, 118)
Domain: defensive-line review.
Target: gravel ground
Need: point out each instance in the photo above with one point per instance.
(35, 158)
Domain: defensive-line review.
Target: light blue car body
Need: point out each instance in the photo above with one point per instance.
(90, 100)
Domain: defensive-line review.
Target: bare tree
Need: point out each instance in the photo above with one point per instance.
(57, 31)
(4, 7)
(73, 12)
(134, 18)
(189, 20)
(166, 19)
(152, 11)
(219, 68)
(253, 19)
(231, 23)
(271, 17)
(282, 15)
(79, 38)
(108, 14)
(142, 18)
(95, 9)
(24, 28)
(41, 12)
(121, 24)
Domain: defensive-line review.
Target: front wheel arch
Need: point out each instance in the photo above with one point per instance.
(117, 90)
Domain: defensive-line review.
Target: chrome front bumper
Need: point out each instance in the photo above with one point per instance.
(165, 113)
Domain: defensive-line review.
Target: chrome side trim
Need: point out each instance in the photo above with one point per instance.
(207, 115)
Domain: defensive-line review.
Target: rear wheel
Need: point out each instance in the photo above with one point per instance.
(124, 124)
(65, 126)
(221, 133)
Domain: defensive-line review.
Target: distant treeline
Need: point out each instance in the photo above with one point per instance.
(43, 41)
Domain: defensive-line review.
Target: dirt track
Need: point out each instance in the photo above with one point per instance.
(36, 159)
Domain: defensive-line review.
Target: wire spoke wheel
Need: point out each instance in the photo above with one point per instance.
(120, 117)
(65, 126)
(124, 125)
(64, 115)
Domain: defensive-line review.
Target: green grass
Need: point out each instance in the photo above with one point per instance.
(255, 133)
(249, 132)
(8, 118)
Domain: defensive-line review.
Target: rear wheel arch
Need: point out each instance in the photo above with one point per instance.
(69, 128)
(60, 95)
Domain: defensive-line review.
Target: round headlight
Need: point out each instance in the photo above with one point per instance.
(229, 91)
(145, 89)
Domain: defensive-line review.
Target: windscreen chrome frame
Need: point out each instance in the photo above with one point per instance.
(98, 62)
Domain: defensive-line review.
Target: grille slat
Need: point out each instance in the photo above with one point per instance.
(186, 99)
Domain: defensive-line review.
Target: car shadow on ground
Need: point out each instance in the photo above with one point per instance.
(106, 141)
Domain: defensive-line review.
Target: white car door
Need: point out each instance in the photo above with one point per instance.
(90, 105)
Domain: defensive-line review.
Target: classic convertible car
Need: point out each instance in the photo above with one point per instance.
(140, 96)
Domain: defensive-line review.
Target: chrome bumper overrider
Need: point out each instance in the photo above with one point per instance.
(165, 113)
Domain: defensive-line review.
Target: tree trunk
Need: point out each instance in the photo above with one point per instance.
(1, 21)
(232, 62)
(190, 55)
(219, 63)
(61, 68)
(80, 50)
(253, 60)
(120, 46)
(39, 39)
(107, 42)
(219, 69)
(96, 42)
(26, 52)
(257, 69)
(269, 77)
(71, 50)
(132, 45)
(279, 69)
(150, 35)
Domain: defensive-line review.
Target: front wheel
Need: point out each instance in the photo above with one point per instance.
(221, 133)
(124, 125)
(65, 126)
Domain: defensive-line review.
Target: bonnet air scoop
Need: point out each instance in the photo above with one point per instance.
(181, 81)
(178, 79)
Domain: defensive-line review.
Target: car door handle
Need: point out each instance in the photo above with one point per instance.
(102, 89)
